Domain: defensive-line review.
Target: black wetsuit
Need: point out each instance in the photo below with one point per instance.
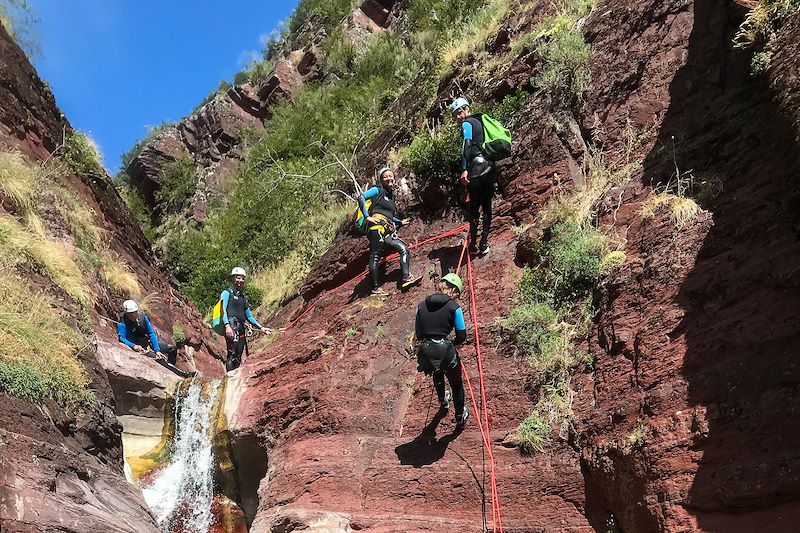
(481, 181)
(383, 204)
(236, 313)
(436, 317)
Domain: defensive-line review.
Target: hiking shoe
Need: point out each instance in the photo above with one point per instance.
(445, 405)
(410, 280)
(377, 291)
(485, 249)
(463, 422)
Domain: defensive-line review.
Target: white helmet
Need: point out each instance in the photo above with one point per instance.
(238, 271)
(129, 306)
(458, 103)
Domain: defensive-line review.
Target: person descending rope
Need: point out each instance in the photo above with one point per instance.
(235, 312)
(437, 316)
(480, 149)
(381, 228)
(135, 331)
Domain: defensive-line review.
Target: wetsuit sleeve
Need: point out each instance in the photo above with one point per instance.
(122, 332)
(152, 333)
(466, 133)
(250, 318)
(369, 195)
(461, 328)
(224, 297)
(418, 326)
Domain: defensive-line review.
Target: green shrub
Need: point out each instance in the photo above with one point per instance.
(570, 267)
(133, 199)
(532, 434)
(81, 154)
(564, 73)
(178, 334)
(434, 158)
(178, 184)
(510, 104)
(323, 13)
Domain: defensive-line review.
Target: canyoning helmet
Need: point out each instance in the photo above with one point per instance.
(129, 306)
(238, 271)
(458, 103)
(454, 281)
(383, 169)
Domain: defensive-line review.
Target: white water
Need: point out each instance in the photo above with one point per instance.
(181, 495)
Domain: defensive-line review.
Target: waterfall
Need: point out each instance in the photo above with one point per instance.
(181, 495)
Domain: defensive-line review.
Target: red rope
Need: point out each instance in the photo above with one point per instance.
(492, 478)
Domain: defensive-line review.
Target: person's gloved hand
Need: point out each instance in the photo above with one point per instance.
(228, 331)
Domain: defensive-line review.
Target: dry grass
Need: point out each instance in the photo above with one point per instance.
(80, 219)
(20, 246)
(118, 277)
(682, 210)
(17, 180)
(579, 206)
(37, 347)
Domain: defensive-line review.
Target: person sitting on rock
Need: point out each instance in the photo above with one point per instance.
(236, 313)
(382, 229)
(437, 316)
(135, 331)
(477, 174)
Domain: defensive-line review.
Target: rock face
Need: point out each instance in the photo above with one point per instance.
(63, 472)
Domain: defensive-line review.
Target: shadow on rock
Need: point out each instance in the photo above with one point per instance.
(426, 449)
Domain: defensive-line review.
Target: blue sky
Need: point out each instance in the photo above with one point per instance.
(117, 66)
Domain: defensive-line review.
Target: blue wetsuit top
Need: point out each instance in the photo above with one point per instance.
(466, 132)
(122, 332)
(371, 194)
(225, 296)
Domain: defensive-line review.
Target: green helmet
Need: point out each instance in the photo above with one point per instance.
(454, 280)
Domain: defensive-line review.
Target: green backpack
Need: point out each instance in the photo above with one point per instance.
(496, 139)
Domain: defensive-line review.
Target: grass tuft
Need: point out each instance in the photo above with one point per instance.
(118, 277)
(37, 348)
(17, 180)
(22, 248)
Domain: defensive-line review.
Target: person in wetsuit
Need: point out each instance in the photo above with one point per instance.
(135, 331)
(437, 316)
(477, 174)
(382, 223)
(235, 313)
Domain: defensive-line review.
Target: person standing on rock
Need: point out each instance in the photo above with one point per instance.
(381, 225)
(477, 174)
(235, 313)
(437, 316)
(135, 331)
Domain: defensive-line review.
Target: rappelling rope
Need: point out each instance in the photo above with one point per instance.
(497, 524)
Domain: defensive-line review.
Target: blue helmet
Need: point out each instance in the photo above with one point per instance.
(458, 103)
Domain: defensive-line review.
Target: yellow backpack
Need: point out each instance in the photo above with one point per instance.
(216, 318)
